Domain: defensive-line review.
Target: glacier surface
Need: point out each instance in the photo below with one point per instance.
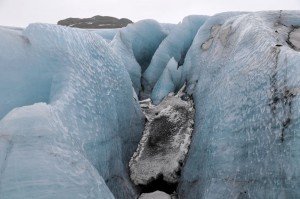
(244, 77)
(70, 118)
(87, 94)
(136, 45)
(36, 162)
(174, 46)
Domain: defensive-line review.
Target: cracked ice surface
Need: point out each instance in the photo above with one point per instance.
(165, 140)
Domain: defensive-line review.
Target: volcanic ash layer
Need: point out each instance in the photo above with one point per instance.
(165, 140)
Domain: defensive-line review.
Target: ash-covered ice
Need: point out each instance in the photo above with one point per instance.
(294, 38)
(165, 140)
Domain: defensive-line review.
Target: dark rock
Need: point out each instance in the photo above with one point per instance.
(96, 22)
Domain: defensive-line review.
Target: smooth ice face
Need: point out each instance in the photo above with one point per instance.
(89, 94)
(136, 44)
(20, 72)
(245, 81)
(175, 45)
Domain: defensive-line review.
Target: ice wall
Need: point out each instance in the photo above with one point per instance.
(36, 161)
(18, 65)
(89, 96)
(170, 81)
(244, 77)
(175, 45)
(79, 120)
(136, 45)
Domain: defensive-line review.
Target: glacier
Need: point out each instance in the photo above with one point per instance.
(136, 45)
(37, 163)
(70, 118)
(87, 93)
(107, 34)
(174, 46)
(244, 77)
(170, 81)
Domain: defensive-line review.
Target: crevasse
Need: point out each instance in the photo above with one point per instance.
(70, 118)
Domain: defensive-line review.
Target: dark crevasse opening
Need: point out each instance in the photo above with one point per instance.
(159, 185)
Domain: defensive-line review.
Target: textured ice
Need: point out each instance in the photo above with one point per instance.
(90, 122)
(36, 161)
(170, 81)
(245, 80)
(294, 38)
(70, 118)
(165, 140)
(175, 45)
(107, 34)
(136, 44)
(168, 27)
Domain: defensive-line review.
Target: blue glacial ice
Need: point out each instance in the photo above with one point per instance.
(70, 118)
(36, 161)
(136, 44)
(171, 80)
(107, 34)
(244, 77)
(176, 45)
(89, 112)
